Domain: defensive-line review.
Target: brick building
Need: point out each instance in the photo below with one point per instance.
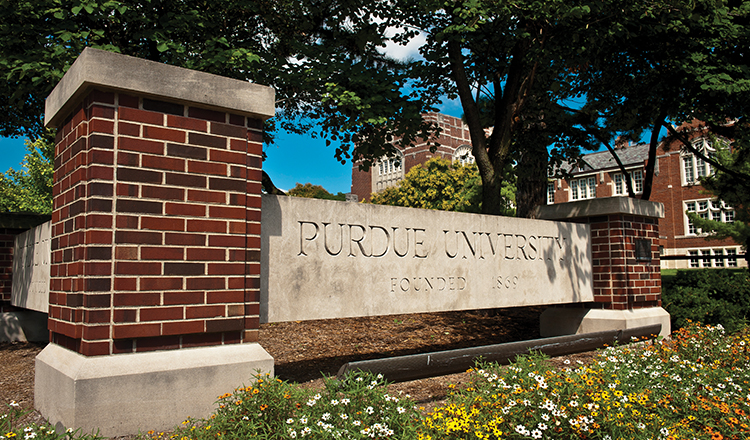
(455, 144)
(676, 185)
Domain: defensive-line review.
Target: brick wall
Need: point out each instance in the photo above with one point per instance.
(620, 281)
(7, 238)
(156, 227)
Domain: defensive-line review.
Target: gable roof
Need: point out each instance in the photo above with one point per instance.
(602, 160)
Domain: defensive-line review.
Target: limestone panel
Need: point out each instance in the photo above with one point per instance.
(31, 263)
(325, 259)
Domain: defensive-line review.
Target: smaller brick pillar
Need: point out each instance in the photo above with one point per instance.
(155, 275)
(626, 267)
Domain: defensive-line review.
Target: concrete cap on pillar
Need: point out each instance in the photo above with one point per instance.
(98, 69)
(602, 206)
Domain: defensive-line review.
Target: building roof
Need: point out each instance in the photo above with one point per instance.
(603, 160)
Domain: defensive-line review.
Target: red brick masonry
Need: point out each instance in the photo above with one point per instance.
(156, 227)
(621, 282)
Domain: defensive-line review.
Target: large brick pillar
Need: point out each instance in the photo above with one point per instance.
(155, 243)
(626, 266)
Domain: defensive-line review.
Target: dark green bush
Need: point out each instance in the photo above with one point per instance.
(710, 296)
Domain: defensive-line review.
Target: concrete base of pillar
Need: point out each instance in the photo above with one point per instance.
(558, 321)
(126, 393)
(23, 326)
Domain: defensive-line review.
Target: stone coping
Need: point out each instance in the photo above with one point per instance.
(603, 206)
(104, 70)
(22, 220)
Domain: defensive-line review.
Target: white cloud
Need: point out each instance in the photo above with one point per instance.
(401, 52)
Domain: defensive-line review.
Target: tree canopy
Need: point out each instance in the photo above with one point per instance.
(322, 57)
(30, 188)
(571, 74)
(314, 192)
(438, 184)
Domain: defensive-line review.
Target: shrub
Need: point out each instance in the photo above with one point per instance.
(713, 296)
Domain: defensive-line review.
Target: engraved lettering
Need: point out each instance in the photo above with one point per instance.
(359, 240)
(393, 284)
(419, 243)
(427, 280)
(532, 247)
(472, 248)
(401, 284)
(395, 242)
(447, 252)
(509, 245)
(461, 283)
(444, 283)
(372, 239)
(520, 247)
(492, 245)
(341, 239)
(303, 238)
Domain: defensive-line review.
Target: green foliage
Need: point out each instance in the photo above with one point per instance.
(356, 407)
(30, 189)
(321, 57)
(438, 184)
(710, 296)
(12, 429)
(314, 192)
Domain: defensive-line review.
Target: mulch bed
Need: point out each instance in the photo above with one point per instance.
(305, 351)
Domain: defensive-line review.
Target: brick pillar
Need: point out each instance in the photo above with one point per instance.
(155, 231)
(626, 267)
(156, 207)
(622, 279)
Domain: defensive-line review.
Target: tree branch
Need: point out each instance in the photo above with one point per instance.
(680, 137)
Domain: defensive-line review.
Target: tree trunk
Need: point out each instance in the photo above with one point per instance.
(531, 184)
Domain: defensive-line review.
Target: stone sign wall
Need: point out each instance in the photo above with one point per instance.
(31, 263)
(325, 259)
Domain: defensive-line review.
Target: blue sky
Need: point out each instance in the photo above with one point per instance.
(293, 158)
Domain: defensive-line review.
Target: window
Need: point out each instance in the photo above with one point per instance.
(583, 188)
(463, 155)
(719, 262)
(721, 257)
(694, 261)
(636, 178)
(390, 171)
(550, 193)
(693, 167)
(732, 261)
(709, 209)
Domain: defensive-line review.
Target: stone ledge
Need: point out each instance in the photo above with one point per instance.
(126, 393)
(112, 71)
(558, 321)
(602, 206)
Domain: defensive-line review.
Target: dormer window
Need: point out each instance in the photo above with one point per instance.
(463, 155)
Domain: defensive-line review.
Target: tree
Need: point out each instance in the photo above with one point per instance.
(438, 184)
(316, 54)
(633, 64)
(30, 189)
(314, 192)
